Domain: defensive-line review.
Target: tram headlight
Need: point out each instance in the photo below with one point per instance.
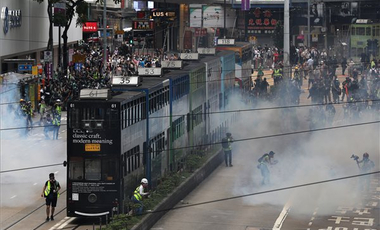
(92, 198)
(99, 125)
(86, 125)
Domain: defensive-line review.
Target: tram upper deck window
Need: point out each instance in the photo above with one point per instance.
(92, 169)
(360, 31)
(368, 31)
(74, 118)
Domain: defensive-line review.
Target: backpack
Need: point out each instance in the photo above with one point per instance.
(225, 143)
(262, 157)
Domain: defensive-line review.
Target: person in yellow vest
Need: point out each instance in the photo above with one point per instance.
(56, 125)
(51, 194)
(227, 148)
(277, 75)
(138, 196)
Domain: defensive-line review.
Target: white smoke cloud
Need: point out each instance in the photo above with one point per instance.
(302, 158)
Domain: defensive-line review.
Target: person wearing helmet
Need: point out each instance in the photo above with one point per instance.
(57, 111)
(366, 166)
(138, 196)
(264, 162)
(297, 77)
(226, 145)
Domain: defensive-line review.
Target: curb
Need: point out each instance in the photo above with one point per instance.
(180, 192)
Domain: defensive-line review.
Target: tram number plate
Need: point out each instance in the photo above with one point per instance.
(172, 64)
(206, 51)
(189, 56)
(150, 71)
(92, 147)
(226, 41)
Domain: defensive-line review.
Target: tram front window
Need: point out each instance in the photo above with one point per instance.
(76, 168)
(92, 169)
(108, 169)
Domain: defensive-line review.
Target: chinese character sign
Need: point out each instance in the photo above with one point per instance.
(261, 21)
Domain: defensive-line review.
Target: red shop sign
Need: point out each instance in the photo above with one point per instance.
(200, 32)
(90, 27)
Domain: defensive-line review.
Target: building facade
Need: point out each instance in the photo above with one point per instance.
(24, 32)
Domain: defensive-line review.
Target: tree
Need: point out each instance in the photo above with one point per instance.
(278, 35)
(50, 14)
(73, 7)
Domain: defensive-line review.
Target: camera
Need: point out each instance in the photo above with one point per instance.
(355, 157)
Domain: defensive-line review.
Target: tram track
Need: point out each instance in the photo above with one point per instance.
(19, 220)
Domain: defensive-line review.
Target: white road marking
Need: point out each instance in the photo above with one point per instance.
(35, 184)
(63, 223)
(310, 223)
(56, 172)
(281, 218)
(13, 197)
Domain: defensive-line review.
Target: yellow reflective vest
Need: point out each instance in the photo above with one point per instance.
(137, 194)
(47, 189)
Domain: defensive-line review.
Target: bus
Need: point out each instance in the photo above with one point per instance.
(363, 33)
(243, 63)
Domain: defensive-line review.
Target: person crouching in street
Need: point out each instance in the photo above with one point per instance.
(264, 163)
(138, 196)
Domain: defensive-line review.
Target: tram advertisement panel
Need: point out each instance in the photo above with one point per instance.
(85, 141)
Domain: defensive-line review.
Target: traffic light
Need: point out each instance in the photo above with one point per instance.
(369, 45)
(131, 40)
(375, 46)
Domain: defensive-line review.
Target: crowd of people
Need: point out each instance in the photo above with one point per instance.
(360, 87)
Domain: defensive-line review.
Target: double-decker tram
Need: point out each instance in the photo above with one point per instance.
(243, 62)
(105, 142)
(119, 135)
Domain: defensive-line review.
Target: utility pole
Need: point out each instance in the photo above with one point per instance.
(59, 47)
(225, 18)
(308, 23)
(287, 67)
(105, 35)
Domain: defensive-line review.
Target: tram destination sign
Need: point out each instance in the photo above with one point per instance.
(189, 56)
(206, 51)
(225, 42)
(95, 94)
(150, 71)
(176, 64)
(126, 80)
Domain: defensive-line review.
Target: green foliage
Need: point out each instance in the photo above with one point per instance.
(166, 186)
(193, 161)
(278, 35)
(122, 221)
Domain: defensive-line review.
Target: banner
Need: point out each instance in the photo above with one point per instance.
(245, 5)
(59, 16)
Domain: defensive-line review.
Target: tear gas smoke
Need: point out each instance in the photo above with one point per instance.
(303, 158)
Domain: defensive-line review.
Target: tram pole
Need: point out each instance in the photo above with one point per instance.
(105, 35)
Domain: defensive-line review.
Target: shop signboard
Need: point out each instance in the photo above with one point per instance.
(195, 17)
(261, 21)
(90, 27)
(25, 67)
(143, 25)
(200, 32)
